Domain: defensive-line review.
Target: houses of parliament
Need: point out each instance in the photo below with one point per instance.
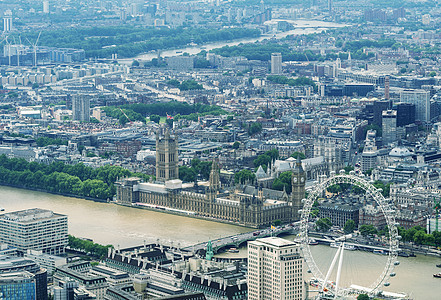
(251, 206)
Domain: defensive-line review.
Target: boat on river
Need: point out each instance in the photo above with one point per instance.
(437, 275)
(312, 242)
(346, 246)
(438, 265)
(233, 250)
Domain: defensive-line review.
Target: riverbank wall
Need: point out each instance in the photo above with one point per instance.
(55, 193)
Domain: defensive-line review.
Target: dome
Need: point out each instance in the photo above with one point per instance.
(400, 152)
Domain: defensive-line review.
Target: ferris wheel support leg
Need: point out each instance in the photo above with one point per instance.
(331, 267)
(342, 246)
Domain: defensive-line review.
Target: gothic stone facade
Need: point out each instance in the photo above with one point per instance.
(240, 208)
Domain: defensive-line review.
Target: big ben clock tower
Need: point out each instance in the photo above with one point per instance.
(298, 189)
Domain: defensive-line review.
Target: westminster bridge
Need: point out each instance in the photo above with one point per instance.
(241, 240)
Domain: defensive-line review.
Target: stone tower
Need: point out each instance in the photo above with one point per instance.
(214, 179)
(167, 162)
(298, 189)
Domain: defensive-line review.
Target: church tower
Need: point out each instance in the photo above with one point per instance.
(167, 162)
(298, 189)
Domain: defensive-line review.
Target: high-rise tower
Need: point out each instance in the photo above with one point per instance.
(298, 189)
(46, 6)
(167, 162)
(275, 270)
(80, 108)
(276, 63)
(7, 21)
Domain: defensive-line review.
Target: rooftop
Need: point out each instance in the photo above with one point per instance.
(275, 241)
(29, 215)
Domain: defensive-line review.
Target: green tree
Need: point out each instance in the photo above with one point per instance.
(262, 160)
(254, 128)
(384, 187)
(187, 174)
(349, 226)
(367, 230)
(236, 145)
(283, 181)
(202, 168)
(348, 169)
(277, 223)
(335, 189)
(418, 238)
(363, 297)
(155, 118)
(323, 224)
(244, 176)
(298, 154)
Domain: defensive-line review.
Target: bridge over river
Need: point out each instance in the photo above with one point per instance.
(240, 240)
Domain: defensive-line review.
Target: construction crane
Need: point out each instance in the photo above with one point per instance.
(35, 48)
(5, 39)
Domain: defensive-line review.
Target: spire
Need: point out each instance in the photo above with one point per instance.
(298, 167)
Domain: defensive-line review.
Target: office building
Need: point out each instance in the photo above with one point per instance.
(180, 63)
(275, 270)
(79, 272)
(421, 100)
(387, 87)
(339, 214)
(405, 114)
(276, 63)
(7, 21)
(80, 108)
(17, 286)
(369, 155)
(389, 126)
(69, 289)
(17, 267)
(47, 261)
(167, 163)
(378, 108)
(36, 229)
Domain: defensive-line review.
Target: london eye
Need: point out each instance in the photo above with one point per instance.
(328, 278)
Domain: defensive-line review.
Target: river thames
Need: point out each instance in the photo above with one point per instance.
(301, 27)
(124, 226)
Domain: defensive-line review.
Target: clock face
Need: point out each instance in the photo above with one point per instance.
(302, 179)
(295, 179)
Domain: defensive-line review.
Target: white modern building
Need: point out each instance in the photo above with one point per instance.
(421, 99)
(47, 261)
(46, 6)
(276, 63)
(275, 270)
(7, 21)
(36, 229)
